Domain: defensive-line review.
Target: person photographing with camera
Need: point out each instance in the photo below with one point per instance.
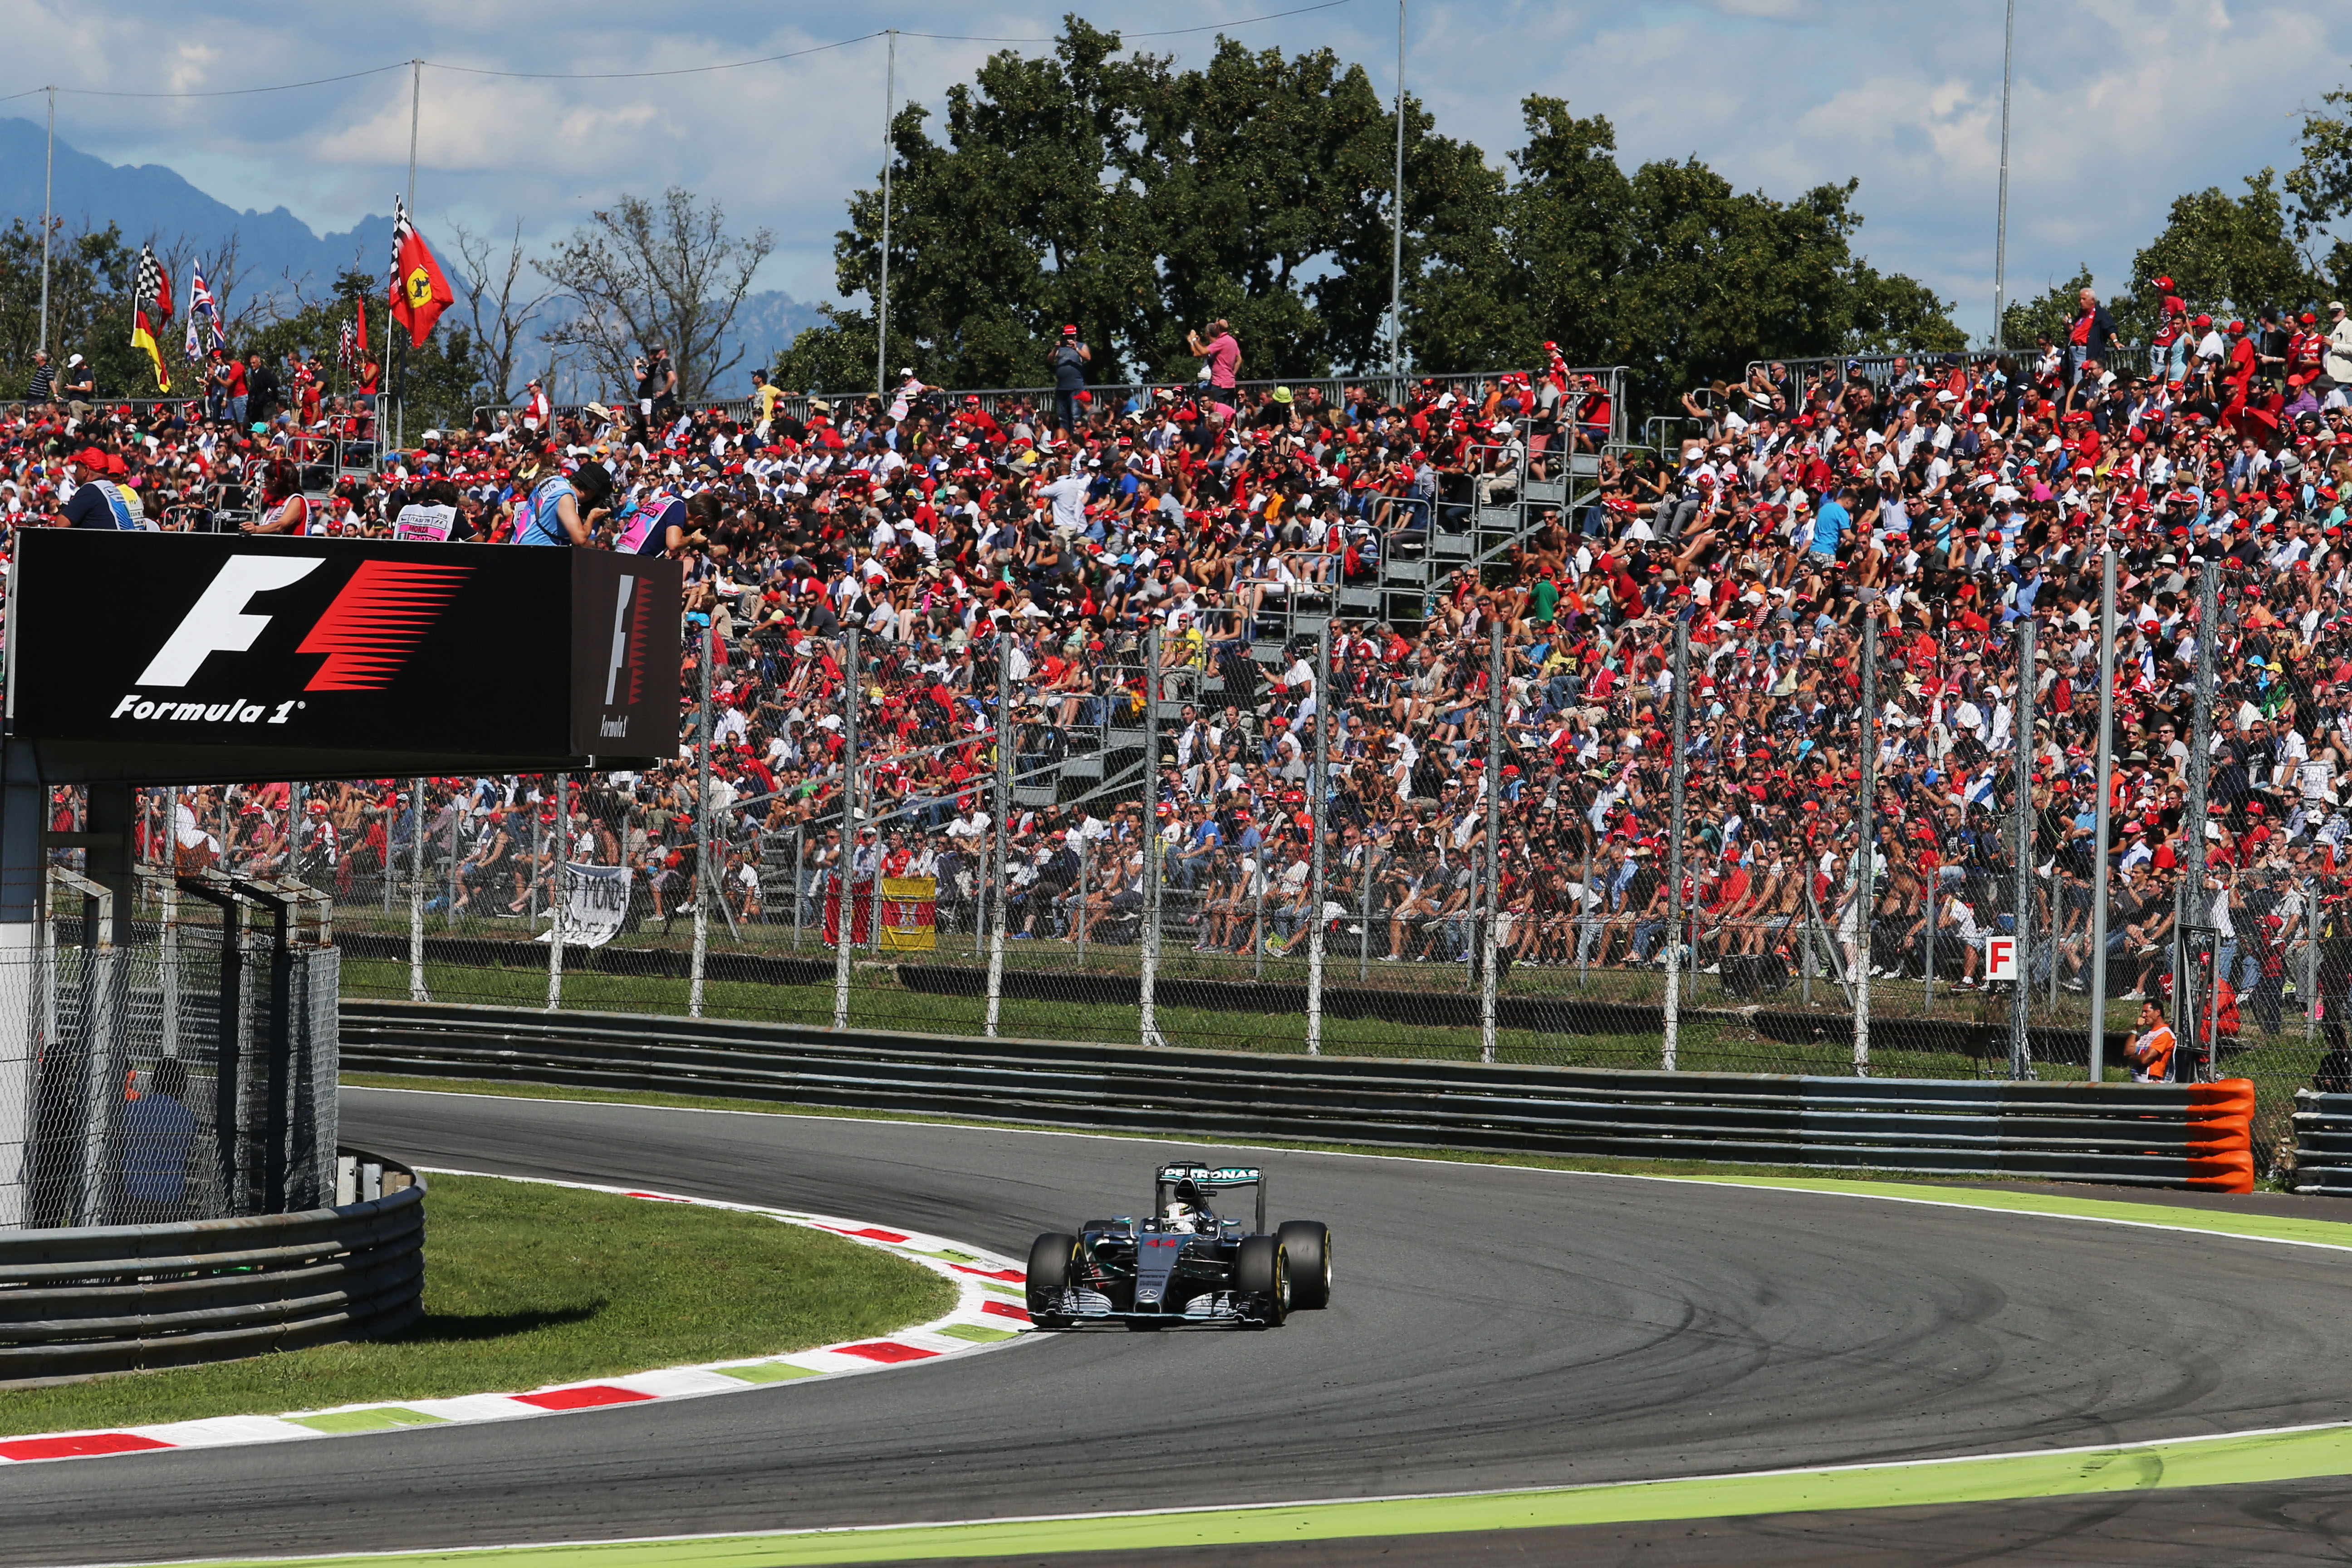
(1223, 354)
(656, 383)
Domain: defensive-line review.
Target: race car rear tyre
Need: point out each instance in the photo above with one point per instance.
(1307, 1254)
(1258, 1273)
(1052, 1259)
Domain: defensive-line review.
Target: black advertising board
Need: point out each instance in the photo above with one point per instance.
(188, 658)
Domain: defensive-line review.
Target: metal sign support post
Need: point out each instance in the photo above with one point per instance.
(1491, 936)
(845, 904)
(1319, 807)
(2194, 906)
(559, 899)
(705, 884)
(1865, 844)
(2020, 735)
(417, 991)
(1148, 1021)
(1674, 776)
(1004, 821)
(2102, 815)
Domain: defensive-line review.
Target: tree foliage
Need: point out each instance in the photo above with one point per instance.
(2321, 184)
(1136, 202)
(2227, 256)
(647, 272)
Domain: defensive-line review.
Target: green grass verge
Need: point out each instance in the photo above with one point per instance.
(527, 1285)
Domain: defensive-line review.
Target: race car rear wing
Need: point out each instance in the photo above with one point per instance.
(1203, 1174)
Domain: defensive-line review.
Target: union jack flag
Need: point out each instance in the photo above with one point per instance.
(203, 307)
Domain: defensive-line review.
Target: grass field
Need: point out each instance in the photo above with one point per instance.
(527, 1285)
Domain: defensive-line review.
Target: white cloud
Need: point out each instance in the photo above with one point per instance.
(2120, 105)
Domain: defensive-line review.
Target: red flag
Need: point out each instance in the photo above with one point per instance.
(419, 291)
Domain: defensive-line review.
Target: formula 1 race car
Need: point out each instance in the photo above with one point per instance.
(1183, 1263)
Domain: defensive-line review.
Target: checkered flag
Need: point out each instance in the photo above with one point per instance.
(150, 289)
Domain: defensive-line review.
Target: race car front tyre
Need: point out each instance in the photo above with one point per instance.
(1306, 1253)
(1053, 1260)
(1258, 1273)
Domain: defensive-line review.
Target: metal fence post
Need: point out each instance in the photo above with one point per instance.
(2021, 737)
(705, 884)
(1865, 848)
(1318, 806)
(800, 879)
(1003, 820)
(1148, 963)
(844, 905)
(2101, 817)
(1488, 938)
(2194, 907)
(1365, 847)
(561, 897)
(417, 991)
(2310, 961)
(1671, 1046)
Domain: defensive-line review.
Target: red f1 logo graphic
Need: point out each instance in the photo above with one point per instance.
(367, 633)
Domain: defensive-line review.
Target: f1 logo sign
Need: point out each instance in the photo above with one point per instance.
(2001, 958)
(375, 621)
(217, 623)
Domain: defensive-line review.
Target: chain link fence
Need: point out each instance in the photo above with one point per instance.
(1641, 844)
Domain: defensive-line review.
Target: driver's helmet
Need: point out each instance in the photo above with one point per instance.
(1185, 1204)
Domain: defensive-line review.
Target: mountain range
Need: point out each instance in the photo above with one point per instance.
(150, 200)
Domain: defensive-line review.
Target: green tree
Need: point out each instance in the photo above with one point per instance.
(2321, 184)
(660, 272)
(2225, 255)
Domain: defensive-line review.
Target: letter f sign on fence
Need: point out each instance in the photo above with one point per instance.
(217, 623)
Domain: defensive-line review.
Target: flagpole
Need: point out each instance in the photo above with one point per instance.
(882, 300)
(415, 102)
(49, 178)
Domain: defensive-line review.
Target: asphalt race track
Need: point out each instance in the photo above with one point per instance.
(1491, 1328)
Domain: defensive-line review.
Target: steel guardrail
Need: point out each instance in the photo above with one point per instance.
(77, 1303)
(2173, 1135)
(2323, 1142)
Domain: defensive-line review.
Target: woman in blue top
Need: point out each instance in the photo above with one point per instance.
(556, 509)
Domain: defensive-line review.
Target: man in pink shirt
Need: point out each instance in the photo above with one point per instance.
(1224, 357)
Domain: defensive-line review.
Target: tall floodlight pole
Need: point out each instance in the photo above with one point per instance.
(48, 185)
(882, 295)
(1396, 220)
(2000, 224)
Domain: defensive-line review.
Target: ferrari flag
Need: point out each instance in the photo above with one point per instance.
(419, 291)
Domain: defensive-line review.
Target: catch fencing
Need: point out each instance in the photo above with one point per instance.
(172, 1061)
(1594, 409)
(1064, 832)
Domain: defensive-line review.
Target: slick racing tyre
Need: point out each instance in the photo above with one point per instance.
(1053, 1264)
(1258, 1271)
(1306, 1253)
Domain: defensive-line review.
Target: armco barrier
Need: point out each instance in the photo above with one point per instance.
(2323, 1142)
(2148, 1135)
(76, 1303)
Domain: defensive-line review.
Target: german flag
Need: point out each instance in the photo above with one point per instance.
(142, 337)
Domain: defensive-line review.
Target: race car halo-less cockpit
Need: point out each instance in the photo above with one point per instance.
(1185, 1262)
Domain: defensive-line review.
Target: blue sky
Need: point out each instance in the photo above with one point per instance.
(2120, 105)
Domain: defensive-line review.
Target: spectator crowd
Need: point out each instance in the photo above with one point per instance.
(1943, 498)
